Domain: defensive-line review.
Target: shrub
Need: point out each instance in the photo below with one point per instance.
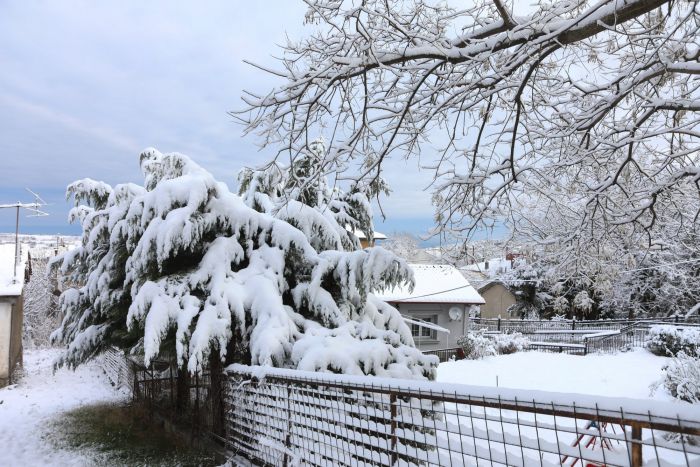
(682, 378)
(476, 345)
(510, 343)
(669, 341)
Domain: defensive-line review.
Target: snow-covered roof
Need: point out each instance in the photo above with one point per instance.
(8, 286)
(361, 235)
(423, 255)
(476, 279)
(435, 283)
(495, 266)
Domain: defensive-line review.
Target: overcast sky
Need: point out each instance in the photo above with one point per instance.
(85, 86)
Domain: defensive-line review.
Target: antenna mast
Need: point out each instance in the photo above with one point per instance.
(33, 208)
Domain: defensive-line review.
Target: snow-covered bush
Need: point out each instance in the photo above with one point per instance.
(682, 377)
(510, 343)
(41, 315)
(668, 340)
(583, 302)
(181, 266)
(477, 345)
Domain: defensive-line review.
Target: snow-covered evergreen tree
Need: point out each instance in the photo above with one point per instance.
(182, 267)
(530, 289)
(301, 195)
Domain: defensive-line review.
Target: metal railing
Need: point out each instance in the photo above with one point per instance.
(529, 326)
(288, 417)
(629, 337)
(446, 355)
(558, 347)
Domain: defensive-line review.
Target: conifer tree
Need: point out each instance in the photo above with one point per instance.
(181, 267)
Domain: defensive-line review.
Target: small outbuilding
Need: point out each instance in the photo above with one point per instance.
(364, 241)
(499, 298)
(11, 312)
(438, 307)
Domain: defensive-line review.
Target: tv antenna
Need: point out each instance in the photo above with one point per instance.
(34, 209)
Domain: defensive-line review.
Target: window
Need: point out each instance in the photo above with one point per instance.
(422, 332)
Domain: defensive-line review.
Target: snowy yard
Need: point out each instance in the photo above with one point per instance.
(27, 409)
(627, 374)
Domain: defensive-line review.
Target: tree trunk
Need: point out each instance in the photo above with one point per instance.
(182, 401)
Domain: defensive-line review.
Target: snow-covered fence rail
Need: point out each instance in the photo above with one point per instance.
(288, 417)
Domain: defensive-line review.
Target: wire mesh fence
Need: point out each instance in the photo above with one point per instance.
(287, 417)
(118, 368)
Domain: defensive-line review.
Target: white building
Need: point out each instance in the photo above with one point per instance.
(11, 312)
(438, 306)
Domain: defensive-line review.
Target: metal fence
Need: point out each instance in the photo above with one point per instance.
(158, 387)
(118, 368)
(527, 326)
(287, 417)
(634, 335)
(576, 337)
(445, 355)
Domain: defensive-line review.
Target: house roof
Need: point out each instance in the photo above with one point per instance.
(495, 266)
(476, 279)
(361, 235)
(488, 284)
(8, 286)
(435, 283)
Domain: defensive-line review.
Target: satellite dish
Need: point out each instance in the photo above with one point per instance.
(455, 313)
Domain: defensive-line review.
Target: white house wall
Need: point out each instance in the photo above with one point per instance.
(441, 310)
(5, 332)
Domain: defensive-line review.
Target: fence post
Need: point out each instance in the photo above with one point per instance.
(636, 445)
(676, 318)
(392, 400)
(498, 326)
(135, 390)
(573, 324)
(172, 385)
(288, 437)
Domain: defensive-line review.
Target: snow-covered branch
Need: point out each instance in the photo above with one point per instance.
(596, 99)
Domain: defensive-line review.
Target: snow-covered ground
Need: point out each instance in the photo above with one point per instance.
(28, 408)
(628, 374)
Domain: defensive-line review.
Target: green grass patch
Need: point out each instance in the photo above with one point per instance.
(128, 435)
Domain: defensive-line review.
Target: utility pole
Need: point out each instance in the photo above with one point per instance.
(32, 207)
(16, 242)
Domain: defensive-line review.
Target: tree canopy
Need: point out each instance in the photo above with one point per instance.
(183, 268)
(585, 111)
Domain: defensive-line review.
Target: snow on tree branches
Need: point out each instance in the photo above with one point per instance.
(182, 267)
(588, 109)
